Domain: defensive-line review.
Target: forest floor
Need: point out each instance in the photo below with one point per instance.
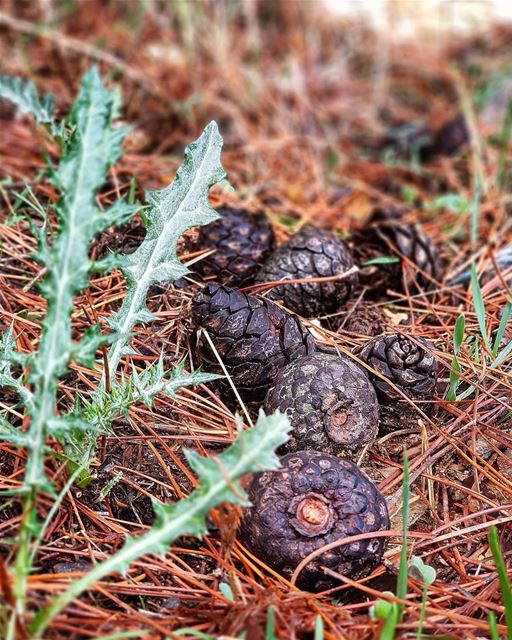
(322, 124)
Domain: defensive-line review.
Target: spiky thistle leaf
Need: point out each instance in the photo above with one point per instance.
(170, 212)
(95, 416)
(86, 155)
(11, 434)
(104, 407)
(9, 357)
(89, 145)
(23, 94)
(253, 450)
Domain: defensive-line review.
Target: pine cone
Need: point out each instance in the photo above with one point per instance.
(310, 253)
(362, 318)
(421, 142)
(402, 241)
(242, 241)
(449, 139)
(312, 500)
(330, 402)
(254, 337)
(411, 367)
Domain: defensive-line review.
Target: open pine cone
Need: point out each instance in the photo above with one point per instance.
(331, 404)
(415, 252)
(312, 500)
(407, 364)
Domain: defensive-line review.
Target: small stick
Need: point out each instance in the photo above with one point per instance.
(83, 48)
(212, 347)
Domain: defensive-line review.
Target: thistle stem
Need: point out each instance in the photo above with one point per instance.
(22, 566)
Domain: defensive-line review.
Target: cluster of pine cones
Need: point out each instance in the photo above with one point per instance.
(337, 405)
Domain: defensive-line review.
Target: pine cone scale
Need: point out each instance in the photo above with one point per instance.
(259, 322)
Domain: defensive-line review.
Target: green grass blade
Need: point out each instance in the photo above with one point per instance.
(505, 317)
(475, 213)
(493, 627)
(458, 333)
(501, 568)
(319, 628)
(381, 260)
(502, 355)
(270, 626)
(451, 394)
(458, 337)
(388, 631)
(401, 583)
(424, 595)
(478, 304)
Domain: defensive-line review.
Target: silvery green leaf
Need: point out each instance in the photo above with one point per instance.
(252, 451)
(105, 407)
(23, 94)
(67, 424)
(170, 212)
(84, 351)
(86, 156)
(11, 434)
(9, 357)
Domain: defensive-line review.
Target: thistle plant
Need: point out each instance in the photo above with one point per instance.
(24, 95)
(88, 148)
(253, 450)
(90, 143)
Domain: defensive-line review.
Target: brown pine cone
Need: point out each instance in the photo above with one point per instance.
(402, 241)
(408, 365)
(254, 337)
(362, 318)
(449, 139)
(331, 404)
(312, 500)
(310, 253)
(242, 241)
(420, 142)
